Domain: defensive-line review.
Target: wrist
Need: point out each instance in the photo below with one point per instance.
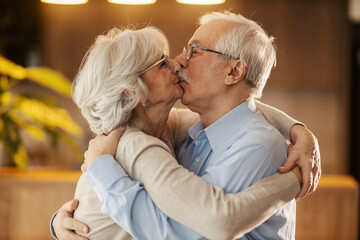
(296, 131)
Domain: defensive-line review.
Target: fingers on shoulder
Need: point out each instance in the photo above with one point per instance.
(70, 206)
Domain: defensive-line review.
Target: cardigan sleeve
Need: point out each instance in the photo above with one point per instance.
(190, 200)
(280, 120)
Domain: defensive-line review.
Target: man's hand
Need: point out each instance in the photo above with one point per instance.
(101, 145)
(305, 153)
(64, 223)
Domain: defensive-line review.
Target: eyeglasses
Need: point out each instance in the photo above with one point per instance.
(189, 51)
(164, 59)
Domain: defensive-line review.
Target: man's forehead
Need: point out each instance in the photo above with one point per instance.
(200, 38)
(208, 33)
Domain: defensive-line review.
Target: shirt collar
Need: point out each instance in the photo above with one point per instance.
(195, 129)
(221, 131)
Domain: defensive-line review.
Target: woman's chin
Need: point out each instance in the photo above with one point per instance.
(176, 90)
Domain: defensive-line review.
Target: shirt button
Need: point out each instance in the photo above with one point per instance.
(197, 159)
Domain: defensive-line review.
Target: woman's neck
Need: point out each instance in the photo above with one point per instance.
(151, 119)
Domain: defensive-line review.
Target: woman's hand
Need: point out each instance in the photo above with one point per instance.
(101, 145)
(64, 224)
(305, 153)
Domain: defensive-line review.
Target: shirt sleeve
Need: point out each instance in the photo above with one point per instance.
(280, 120)
(128, 204)
(52, 232)
(184, 197)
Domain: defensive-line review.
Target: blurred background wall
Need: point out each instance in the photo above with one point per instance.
(314, 81)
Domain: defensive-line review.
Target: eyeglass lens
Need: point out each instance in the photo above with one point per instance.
(164, 59)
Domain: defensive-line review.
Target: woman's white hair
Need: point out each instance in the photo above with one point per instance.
(249, 42)
(107, 86)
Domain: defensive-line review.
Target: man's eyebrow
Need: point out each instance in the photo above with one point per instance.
(195, 41)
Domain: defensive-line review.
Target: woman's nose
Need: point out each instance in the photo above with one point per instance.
(176, 66)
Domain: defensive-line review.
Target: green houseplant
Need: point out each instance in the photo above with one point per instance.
(38, 116)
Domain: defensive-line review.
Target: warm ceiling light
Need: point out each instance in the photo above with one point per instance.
(201, 2)
(65, 2)
(132, 2)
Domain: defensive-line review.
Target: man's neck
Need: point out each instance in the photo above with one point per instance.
(218, 109)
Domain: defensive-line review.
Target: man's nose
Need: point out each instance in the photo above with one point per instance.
(181, 59)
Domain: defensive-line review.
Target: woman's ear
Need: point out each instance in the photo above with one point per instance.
(127, 93)
(143, 98)
(236, 72)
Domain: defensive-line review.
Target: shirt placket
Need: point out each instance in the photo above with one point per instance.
(200, 154)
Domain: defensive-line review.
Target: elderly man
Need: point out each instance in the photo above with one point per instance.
(225, 66)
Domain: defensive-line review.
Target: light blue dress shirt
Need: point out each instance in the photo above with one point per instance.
(233, 153)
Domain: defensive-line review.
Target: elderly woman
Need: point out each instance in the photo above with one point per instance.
(127, 80)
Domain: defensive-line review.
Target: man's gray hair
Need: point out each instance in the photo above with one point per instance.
(249, 42)
(107, 86)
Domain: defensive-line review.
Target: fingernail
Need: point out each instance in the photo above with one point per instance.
(85, 230)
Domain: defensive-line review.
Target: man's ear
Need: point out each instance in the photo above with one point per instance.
(236, 71)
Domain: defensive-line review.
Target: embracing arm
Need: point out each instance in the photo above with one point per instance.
(304, 151)
(188, 199)
(280, 120)
(217, 216)
(220, 216)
